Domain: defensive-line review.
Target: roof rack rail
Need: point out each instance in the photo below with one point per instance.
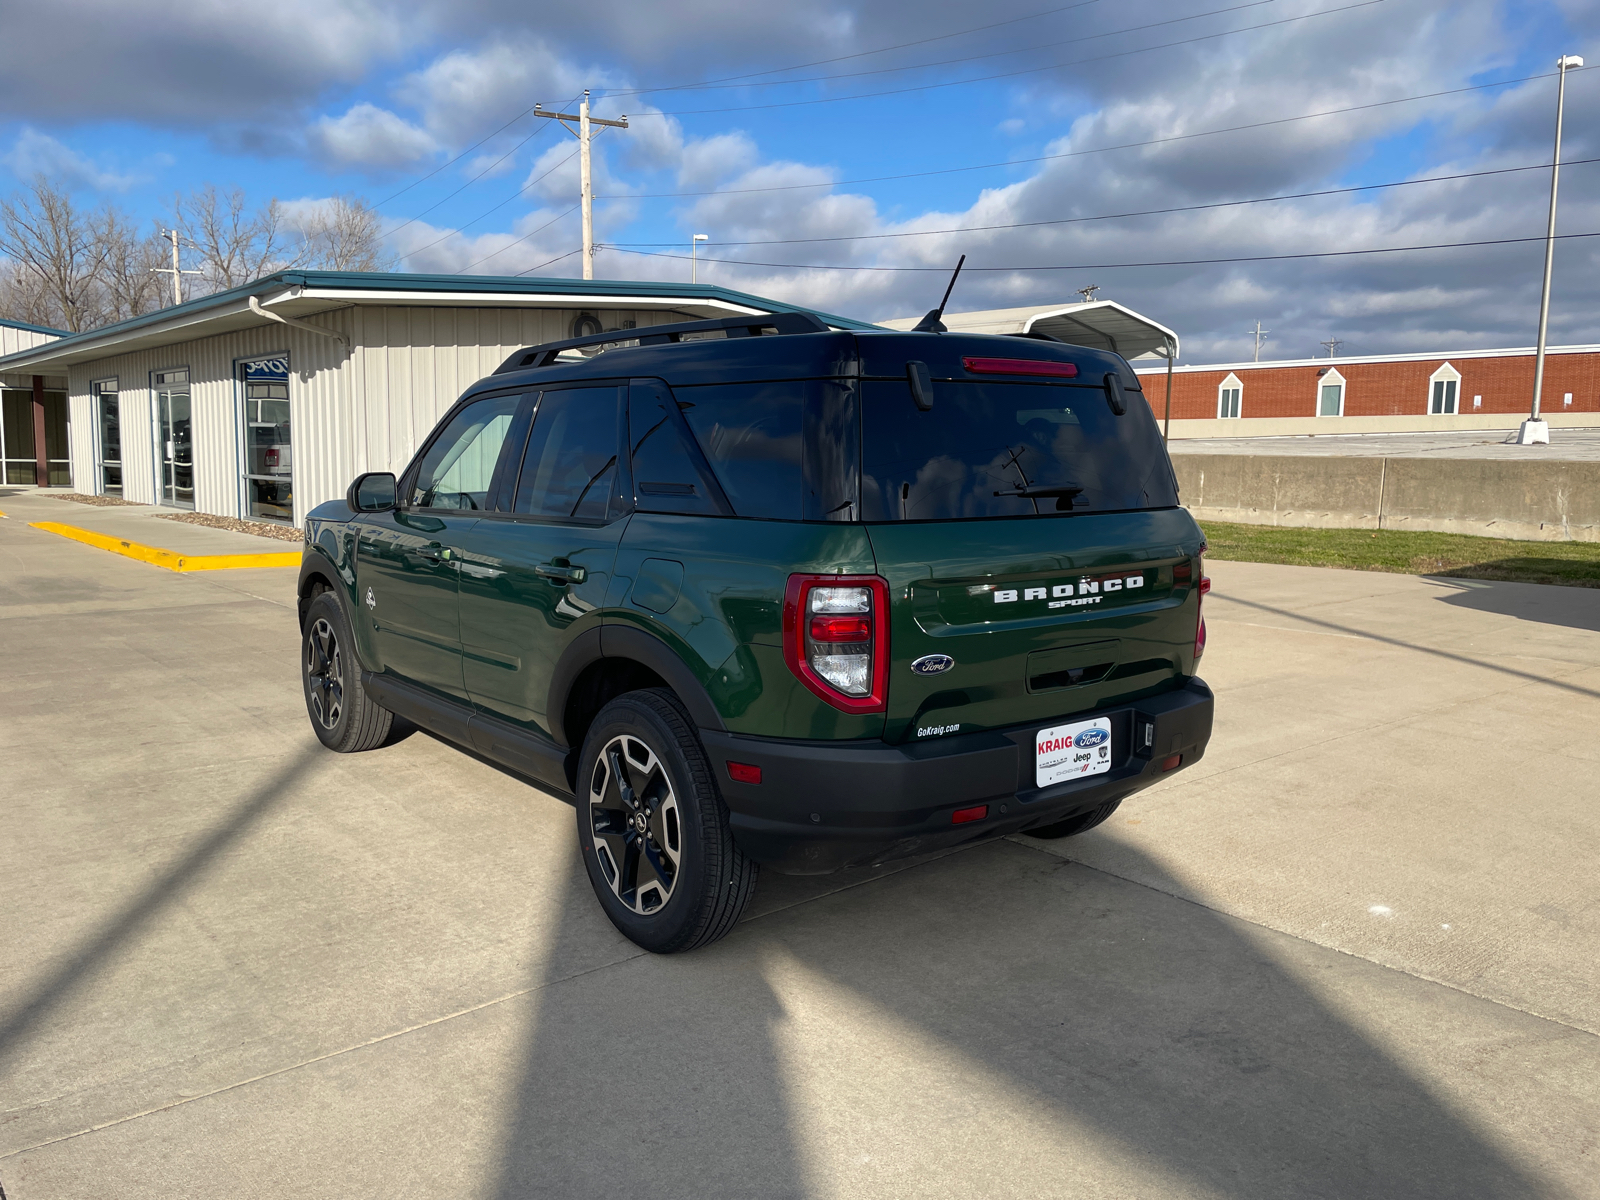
(655, 335)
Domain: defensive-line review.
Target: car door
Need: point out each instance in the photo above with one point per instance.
(406, 559)
(534, 578)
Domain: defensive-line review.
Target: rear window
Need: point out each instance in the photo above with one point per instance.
(1007, 450)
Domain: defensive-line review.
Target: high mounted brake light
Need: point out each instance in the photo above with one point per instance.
(1020, 366)
(836, 638)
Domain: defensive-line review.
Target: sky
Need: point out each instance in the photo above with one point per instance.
(844, 155)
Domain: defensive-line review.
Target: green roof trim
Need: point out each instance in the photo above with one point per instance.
(488, 285)
(33, 328)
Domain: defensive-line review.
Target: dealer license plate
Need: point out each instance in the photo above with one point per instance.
(1070, 751)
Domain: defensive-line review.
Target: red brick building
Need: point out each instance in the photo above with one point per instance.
(1426, 390)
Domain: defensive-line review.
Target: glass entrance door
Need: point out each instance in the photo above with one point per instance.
(174, 420)
(268, 441)
(108, 417)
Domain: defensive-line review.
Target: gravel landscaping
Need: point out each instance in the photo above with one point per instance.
(283, 533)
(95, 501)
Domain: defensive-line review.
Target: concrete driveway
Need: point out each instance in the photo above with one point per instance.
(1352, 953)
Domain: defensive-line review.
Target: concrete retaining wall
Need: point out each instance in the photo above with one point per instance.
(1530, 501)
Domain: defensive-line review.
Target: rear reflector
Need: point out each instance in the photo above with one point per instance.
(976, 813)
(744, 772)
(1172, 762)
(1019, 366)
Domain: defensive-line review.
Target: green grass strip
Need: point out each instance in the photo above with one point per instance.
(1457, 555)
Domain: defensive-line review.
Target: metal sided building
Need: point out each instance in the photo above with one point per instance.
(33, 414)
(265, 401)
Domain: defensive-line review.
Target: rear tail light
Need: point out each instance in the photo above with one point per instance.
(1200, 619)
(836, 638)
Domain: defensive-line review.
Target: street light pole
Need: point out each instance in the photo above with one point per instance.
(1535, 428)
(694, 256)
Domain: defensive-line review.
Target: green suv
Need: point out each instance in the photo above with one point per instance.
(754, 591)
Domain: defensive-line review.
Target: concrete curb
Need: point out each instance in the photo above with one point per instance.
(167, 558)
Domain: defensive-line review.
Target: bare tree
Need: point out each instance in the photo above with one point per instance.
(343, 233)
(131, 285)
(236, 245)
(50, 238)
(22, 296)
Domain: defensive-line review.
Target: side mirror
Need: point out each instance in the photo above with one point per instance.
(921, 381)
(373, 492)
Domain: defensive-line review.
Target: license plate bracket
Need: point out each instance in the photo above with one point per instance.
(1063, 752)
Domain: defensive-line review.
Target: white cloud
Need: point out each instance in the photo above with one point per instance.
(36, 153)
(368, 137)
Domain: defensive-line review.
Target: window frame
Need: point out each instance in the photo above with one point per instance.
(527, 399)
(622, 489)
(1235, 384)
(1445, 374)
(96, 395)
(241, 443)
(1330, 377)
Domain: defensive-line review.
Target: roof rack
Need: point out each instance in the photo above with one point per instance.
(655, 335)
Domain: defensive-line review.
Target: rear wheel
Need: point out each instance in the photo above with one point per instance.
(653, 829)
(1080, 823)
(343, 716)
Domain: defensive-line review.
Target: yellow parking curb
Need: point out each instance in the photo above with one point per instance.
(166, 558)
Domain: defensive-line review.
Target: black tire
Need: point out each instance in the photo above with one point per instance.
(343, 716)
(653, 828)
(1078, 824)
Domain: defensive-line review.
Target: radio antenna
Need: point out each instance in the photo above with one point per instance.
(932, 322)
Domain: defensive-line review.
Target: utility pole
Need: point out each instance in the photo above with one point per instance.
(1535, 429)
(174, 270)
(1333, 345)
(694, 256)
(586, 181)
(1088, 292)
(1260, 337)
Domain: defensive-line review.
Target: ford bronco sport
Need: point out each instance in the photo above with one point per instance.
(754, 591)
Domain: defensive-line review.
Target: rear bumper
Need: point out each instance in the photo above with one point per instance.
(822, 806)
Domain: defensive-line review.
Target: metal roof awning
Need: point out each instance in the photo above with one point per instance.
(298, 294)
(1098, 324)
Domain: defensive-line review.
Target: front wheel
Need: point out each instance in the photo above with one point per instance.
(343, 716)
(653, 828)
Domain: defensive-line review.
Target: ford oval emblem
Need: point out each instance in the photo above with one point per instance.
(933, 664)
(1091, 737)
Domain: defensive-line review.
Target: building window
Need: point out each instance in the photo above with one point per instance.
(1228, 393)
(19, 461)
(173, 415)
(1443, 387)
(1330, 394)
(108, 436)
(268, 441)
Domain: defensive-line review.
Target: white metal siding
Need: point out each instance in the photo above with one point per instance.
(15, 341)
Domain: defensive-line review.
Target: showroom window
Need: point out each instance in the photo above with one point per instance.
(268, 441)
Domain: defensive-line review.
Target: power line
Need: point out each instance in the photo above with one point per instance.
(1188, 262)
(1019, 162)
(520, 240)
(514, 195)
(945, 62)
(822, 62)
(550, 262)
(413, 220)
(1148, 212)
(928, 87)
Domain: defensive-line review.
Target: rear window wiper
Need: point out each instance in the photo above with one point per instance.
(1043, 490)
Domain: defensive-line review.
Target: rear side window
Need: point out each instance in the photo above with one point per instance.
(1007, 449)
(458, 468)
(569, 470)
(782, 451)
(669, 474)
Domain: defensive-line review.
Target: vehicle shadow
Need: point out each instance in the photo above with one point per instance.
(994, 1022)
(1571, 607)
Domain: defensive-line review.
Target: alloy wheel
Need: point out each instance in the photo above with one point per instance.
(324, 674)
(633, 815)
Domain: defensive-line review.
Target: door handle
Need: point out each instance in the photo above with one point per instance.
(434, 552)
(561, 574)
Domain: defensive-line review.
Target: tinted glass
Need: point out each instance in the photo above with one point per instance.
(458, 467)
(751, 435)
(570, 468)
(666, 476)
(1008, 449)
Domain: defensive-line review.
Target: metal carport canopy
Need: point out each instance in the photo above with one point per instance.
(1101, 324)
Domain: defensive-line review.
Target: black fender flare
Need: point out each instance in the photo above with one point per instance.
(623, 641)
(315, 562)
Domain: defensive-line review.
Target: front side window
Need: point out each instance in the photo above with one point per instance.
(569, 471)
(1005, 450)
(458, 468)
